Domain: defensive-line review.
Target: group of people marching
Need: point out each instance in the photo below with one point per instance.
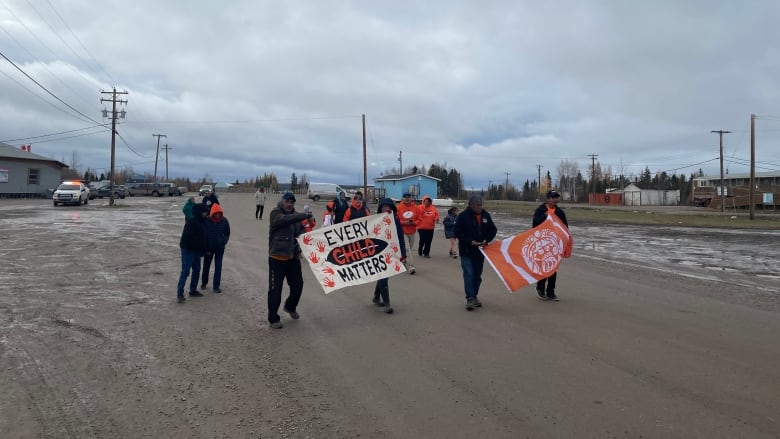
(207, 231)
(205, 235)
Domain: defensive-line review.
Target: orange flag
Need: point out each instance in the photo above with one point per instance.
(532, 255)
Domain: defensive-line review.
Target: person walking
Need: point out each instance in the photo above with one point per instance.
(209, 198)
(259, 203)
(217, 237)
(545, 288)
(474, 228)
(409, 216)
(357, 208)
(382, 288)
(284, 259)
(449, 230)
(429, 217)
(187, 209)
(192, 245)
(340, 206)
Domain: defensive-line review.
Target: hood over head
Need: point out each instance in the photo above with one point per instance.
(426, 197)
(198, 210)
(216, 213)
(386, 202)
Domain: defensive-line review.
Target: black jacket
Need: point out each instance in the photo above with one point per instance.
(467, 229)
(339, 207)
(283, 230)
(193, 237)
(210, 199)
(540, 215)
(217, 234)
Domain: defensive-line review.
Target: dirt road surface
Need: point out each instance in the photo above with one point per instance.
(94, 345)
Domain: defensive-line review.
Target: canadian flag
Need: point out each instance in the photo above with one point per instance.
(25, 148)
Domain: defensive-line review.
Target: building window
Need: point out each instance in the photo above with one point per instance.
(32, 176)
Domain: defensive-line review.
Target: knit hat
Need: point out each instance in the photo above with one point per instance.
(288, 196)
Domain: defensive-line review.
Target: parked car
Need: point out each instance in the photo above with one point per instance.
(105, 192)
(183, 190)
(327, 191)
(71, 192)
(205, 188)
(153, 189)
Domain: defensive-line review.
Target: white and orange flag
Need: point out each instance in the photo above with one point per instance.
(532, 255)
(354, 252)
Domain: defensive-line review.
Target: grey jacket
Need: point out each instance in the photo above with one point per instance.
(283, 231)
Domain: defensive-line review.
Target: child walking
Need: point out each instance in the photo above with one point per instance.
(449, 230)
(382, 289)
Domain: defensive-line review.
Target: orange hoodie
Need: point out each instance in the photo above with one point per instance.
(429, 215)
(409, 217)
(216, 213)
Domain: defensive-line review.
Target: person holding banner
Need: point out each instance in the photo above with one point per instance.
(283, 258)
(386, 205)
(474, 228)
(550, 207)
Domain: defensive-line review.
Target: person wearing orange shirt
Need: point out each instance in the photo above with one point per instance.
(429, 217)
(409, 216)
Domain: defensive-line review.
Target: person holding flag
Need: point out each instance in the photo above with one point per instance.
(474, 229)
(550, 207)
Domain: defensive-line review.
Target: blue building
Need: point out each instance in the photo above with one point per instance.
(419, 185)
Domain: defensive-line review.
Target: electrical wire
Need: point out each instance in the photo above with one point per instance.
(53, 134)
(40, 97)
(240, 121)
(130, 147)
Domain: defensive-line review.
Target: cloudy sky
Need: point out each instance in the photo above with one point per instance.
(243, 88)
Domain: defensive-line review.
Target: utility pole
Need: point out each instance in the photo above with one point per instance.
(593, 158)
(401, 163)
(157, 154)
(166, 148)
(752, 165)
(506, 186)
(722, 189)
(539, 180)
(114, 101)
(365, 166)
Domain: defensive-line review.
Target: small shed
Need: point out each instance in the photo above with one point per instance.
(419, 185)
(634, 196)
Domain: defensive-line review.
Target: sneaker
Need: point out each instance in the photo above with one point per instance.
(203, 286)
(388, 309)
(427, 256)
(276, 325)
(540, 293)
(411, 270)
(180, 299)
(293, 314)
(477, 303)
(470, 305)
(218, 290)
(553, 297)
(195, 294)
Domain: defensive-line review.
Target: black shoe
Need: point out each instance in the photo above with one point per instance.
(180, 299)
(203, 286)
(276, 325)
(470, 305)
(388, 310)
(195, 294)
(540, 293)
(477, 303)
(427, 256)
(218, 290)
(293, 314)
(552, 296)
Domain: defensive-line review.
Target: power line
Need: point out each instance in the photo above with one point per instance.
(68, 137)
(39, 97)
(47, 90)
(130, 147)
(241, 121)
(54, 134)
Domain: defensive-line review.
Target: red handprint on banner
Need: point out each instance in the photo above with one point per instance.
(394, 248)
(377, 229)
(321, 246)
(387, 220)
(397, 266)
(307, 239)
(328, 282)
(388, 258)
(388, 234)
(328, 270)
(313, 258)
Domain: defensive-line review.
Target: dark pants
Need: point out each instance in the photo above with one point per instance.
(426, 237)
(382, 289)
(217, 257)
(190, 260)
(550, 284)
(277, 271)
(259, 209)
(472, 274)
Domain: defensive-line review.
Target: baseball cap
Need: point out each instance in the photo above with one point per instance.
(553, 194)
(288, 196)
(407, 194)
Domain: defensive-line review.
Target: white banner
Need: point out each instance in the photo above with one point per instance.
(353, 253)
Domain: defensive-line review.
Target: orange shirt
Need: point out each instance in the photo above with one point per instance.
(429, 216)
(409, 216)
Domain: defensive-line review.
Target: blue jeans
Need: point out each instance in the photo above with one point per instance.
(190, 260)
(217, 256)
(472, 274)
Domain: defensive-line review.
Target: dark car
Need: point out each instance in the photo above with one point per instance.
(105, 192)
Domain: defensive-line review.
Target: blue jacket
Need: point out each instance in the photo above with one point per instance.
(449, 226)
(217, 232)
(193, 237)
